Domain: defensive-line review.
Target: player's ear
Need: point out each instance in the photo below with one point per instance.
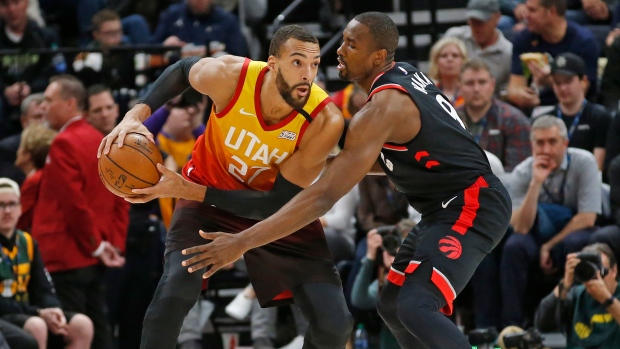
(271, 62)
(380, 56)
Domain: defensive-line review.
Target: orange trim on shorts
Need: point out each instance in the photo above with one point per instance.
(466, 219)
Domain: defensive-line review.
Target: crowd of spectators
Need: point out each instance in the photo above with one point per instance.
(84, 263)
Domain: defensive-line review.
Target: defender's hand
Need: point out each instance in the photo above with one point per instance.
(223, 249)
(130, 123)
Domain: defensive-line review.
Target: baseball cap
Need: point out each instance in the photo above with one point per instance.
(9, 185)
(482, 9)
(568, 64)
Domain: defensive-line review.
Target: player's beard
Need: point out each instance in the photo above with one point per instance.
(286, 91)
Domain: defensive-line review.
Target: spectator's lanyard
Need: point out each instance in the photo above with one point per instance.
(482, 126)
(576, 120)
(548, 192)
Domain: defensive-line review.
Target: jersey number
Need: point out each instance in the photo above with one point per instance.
(242, 170)
(449, 109)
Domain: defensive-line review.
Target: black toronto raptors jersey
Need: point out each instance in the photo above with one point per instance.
(442, 158)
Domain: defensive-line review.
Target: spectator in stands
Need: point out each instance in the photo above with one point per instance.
(101, 110)
(613, 146)
(514, 14)
(114, 69)
(579, 11)
(31, 154)
(589, 313)
(484, 41)
(610, 82)
(610, 234)
(446, 59)
(31, 113)
(28, 298)
(587, 122)
(498, 127)
(80, 225)
(556, 195)
(548, 31)
(23, 73)
(201, 23)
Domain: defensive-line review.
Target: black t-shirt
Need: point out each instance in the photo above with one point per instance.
(592, 128)
(443, 158)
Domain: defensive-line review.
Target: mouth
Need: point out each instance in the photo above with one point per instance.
(303, 90)
(341, 64)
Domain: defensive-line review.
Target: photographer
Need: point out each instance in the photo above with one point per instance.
(371, 276)
(589, 314)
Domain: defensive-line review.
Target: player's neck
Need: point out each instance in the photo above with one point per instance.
(555, 33)
(573, 107)
(476, 114)
(273, 107)
(366, 83)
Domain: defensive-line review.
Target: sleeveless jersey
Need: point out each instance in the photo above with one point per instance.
(238, 149)
(442, 158)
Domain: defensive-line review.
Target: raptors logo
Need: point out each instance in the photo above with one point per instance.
(451, 247)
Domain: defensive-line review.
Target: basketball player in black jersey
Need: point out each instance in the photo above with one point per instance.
(410, 129)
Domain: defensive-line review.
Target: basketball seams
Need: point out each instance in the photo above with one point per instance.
(141, 152)
(127, 172)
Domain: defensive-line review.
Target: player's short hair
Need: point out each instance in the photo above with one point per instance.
(293, 31)
(71, 87)
(545, 122)
(36, 140)
(476, 65)
(560, 6)
(433, 68)
(103, 16)
(33, 98)
(383, 30)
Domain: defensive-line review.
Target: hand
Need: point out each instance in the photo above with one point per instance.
(13, 94)
(540, 73)
(373, 242)
(613, 34)
(597, 289)
(520, 12)
(527, 97)
(111, 256)
(569, 269)
(55, 320)
(130, 123)
(170, 185)
(595, 9)
(542, 167)
(223, 249)
(174, 41)
(546, 263)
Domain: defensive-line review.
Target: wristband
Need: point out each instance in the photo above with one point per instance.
(609, 302)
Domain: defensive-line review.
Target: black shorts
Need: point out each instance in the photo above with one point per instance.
(54, 341)
(456, 237)
(274, 269)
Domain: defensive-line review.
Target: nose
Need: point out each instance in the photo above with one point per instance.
(340, 49)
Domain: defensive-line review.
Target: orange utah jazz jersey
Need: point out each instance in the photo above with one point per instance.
(238, 149)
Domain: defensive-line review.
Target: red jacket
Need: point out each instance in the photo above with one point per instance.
(74, 212)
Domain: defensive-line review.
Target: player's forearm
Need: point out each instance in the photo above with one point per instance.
(172, 82)
(307, 206)
(523, 218)
(192, 191)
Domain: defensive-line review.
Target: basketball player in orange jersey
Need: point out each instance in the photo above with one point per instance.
(268, 137)
(411, 130)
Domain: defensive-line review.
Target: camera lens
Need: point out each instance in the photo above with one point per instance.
(585, 271)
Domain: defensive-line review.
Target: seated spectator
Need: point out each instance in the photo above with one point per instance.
(498, 127)
(28, 299)
(446, 59)
(587, 122)
(610, 234)
(202, 24)
(114, 69)
(101, 110)
(370, 280)
(33, 149)
(549, 32)
(556, 195)
(514, 15)
(484, 41)
(23, 73)
(589, 313)
(31, 113)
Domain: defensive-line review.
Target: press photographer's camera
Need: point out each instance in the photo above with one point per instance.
(590, 263)
(391, 238)
(530, 339)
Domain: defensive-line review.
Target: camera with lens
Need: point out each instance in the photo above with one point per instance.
(589, 263)
(391, 238)
(482, 337)
(530, 339)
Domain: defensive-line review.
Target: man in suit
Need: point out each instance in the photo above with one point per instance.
(80, 225)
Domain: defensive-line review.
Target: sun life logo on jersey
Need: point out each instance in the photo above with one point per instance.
(288, 135)
(420, 81)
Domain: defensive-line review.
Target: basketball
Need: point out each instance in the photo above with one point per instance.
(133, 166)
